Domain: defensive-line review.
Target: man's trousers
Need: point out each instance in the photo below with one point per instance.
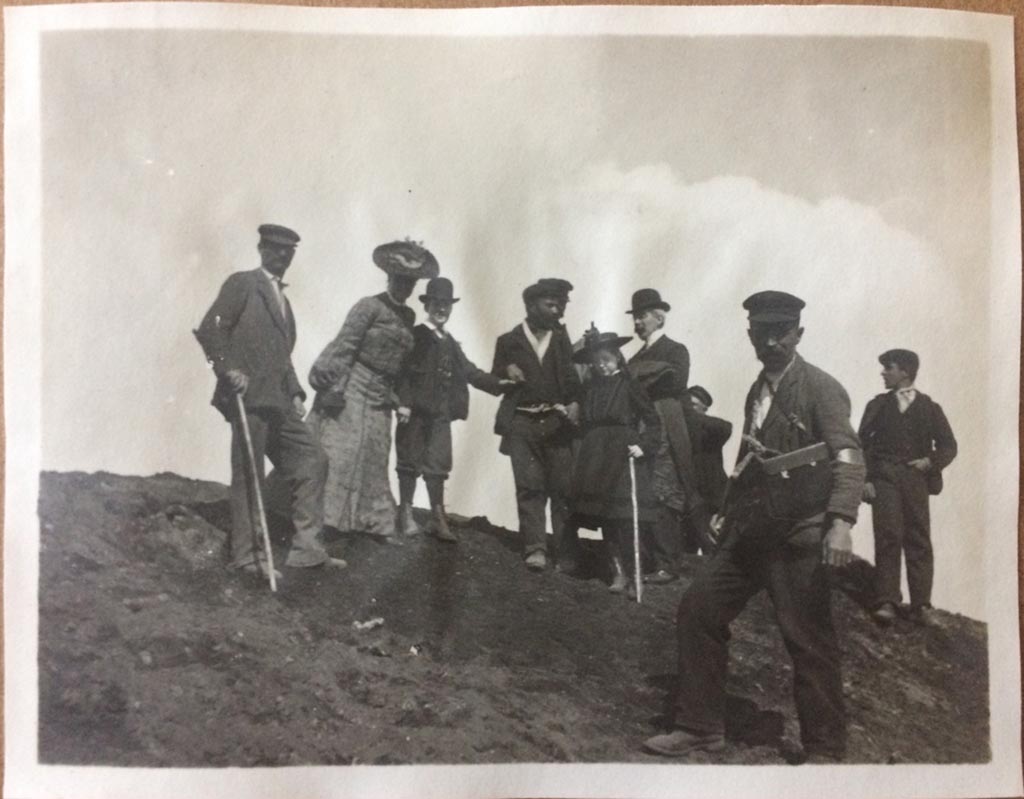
(901, 524)
(300, 462)
(541, 453)
(789, 565)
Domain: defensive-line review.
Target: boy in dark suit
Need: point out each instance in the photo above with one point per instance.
(536, 418)
(248, 336)
(908, 442)
(708, 435)
(432, 393)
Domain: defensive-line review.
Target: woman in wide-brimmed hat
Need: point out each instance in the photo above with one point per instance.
(354, 379)
(618, 422)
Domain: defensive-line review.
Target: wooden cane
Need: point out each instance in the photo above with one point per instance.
(637, 577)
(254, 472)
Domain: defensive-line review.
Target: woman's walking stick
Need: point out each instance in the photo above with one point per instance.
(255, 475)
(637, 577)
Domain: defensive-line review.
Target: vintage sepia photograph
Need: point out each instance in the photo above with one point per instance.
(574, 401)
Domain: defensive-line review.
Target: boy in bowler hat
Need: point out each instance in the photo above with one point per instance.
(433, 392)
(907, 442)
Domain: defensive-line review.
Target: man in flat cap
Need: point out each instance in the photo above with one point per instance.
(788, 516)
(248, 336)
(535, 419)
(662, 367)
(907, 443)
(708, 434)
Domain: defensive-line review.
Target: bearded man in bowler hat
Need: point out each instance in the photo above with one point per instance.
(536, 418)
(248, 336)
(780, 533)
(908, 442)
(662, 367)
(433, 391)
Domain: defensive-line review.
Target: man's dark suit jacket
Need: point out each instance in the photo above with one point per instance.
(708, 435)
(672, 353)
(927, 427)
(244, 330)
(810, 406)
(514, 348)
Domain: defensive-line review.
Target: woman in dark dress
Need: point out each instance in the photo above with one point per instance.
(618, 423)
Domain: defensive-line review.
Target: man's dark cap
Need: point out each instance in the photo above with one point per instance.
(907, 360)
(278, 234)
(645, 300)
(773, 307)
(553, 287)
(700, 393)
(439, 288)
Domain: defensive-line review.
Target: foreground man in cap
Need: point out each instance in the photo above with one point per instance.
(433, 391)
(907, 443)
(788, 516)
(248, 336)
(535, 419)
(662, 367)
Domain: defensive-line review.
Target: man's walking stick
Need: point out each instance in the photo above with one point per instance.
(255, 474)
(637, 577)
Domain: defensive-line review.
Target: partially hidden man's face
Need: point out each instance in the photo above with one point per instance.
(645, 323)
(544, 312)
(775, 342)
(276, 258)
(438, 311)
(605, 362)
(893, 376)
(697, 405)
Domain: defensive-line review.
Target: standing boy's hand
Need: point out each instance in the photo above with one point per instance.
(635, 451)
(404, 414)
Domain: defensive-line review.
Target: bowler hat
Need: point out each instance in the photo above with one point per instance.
(278, 234)
(645, 300)
(406, 259)
(594, 340)
(439, 288)
(773, 306)
(553, 287)
(700, 393)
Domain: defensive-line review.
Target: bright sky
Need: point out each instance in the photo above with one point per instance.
(854, 173)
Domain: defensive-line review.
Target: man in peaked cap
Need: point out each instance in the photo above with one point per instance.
(248, 335)
(535, 419)
(662, 366)
(782, 527)
(907, 443)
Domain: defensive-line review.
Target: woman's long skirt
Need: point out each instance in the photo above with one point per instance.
(357, 441)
